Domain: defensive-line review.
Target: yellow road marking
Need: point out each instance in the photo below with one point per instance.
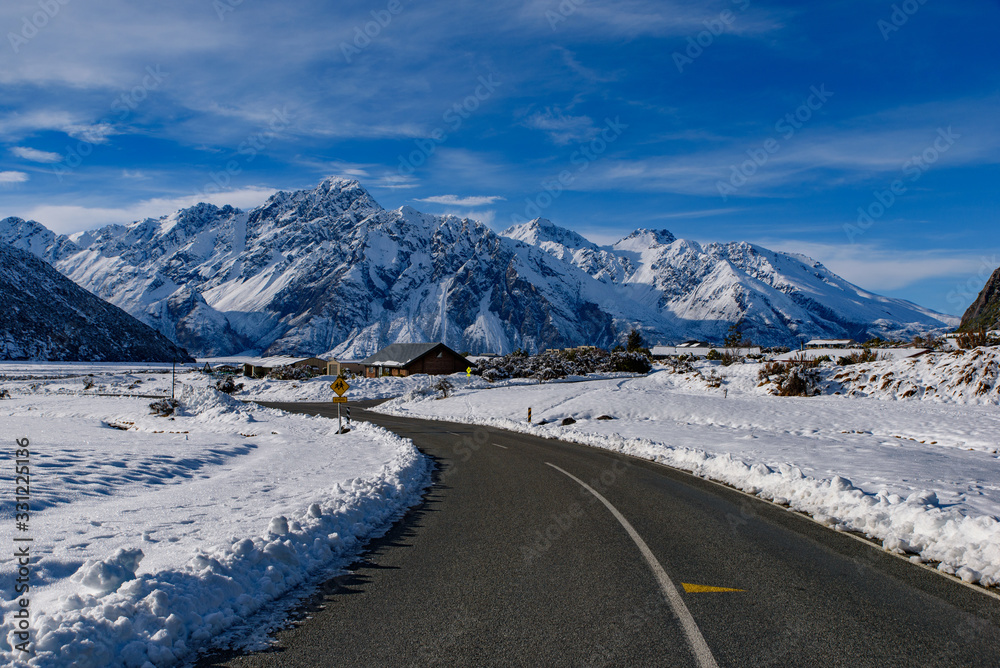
(702, 589)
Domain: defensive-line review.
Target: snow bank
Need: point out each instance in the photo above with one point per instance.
(251, 504)
(907, 475)
(962, 377)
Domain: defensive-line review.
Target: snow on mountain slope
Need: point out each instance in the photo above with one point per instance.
(46, 316)
(329, 270)
(701, 290)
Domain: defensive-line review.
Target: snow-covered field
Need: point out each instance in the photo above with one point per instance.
(923, 477)
(962, 376)
(153, 537)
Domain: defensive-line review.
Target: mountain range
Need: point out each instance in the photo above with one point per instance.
(328, 270)
(46, 316)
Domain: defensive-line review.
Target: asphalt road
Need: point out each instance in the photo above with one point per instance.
(512, 561)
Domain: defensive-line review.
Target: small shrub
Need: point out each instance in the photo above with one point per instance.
(973, 339)
(633, 362)
(859, 357)
(727, 358)
(680, 364)
(713, 355)
(713, 380)
(444, 386)
(823, 358)
(4, 393)
(798, 378)
(164, 407)
(492, 375)
(228, 385)
(88, 383)
(544, 374)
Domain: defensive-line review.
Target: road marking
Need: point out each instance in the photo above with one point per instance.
(704, 589)
(500, 446)
(702, 653)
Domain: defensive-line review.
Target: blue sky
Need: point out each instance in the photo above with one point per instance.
(772, 122)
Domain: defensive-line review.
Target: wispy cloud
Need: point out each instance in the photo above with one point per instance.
(34, 155)
(562, 128)
(66, 219)
(822, 156)
(879, 268)
(19, 124)
(702, 213)
(454, 200)
(13, 177)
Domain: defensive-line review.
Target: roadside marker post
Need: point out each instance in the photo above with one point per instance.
(340, 386)
(529, 414)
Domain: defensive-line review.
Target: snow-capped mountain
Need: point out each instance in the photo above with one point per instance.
(46, 316)
(329, 270)
(701, 290)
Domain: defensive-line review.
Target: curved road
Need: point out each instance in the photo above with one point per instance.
(532, 552)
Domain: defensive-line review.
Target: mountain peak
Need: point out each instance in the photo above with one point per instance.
(333, 197)
(542, 230)
(34, 237)
(645, 239)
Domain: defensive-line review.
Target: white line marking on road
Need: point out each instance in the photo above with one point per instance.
(500, 446)
(702, 653)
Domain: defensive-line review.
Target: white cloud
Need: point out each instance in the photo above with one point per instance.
(66, 219)
(13, 177)
(701, 213)
(562, 129)
(34, 155)
(96, 133)
(880, 269)
(454, 200)
(17, 125)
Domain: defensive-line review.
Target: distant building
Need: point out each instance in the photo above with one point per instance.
(700, 349)
(407, 359)
(831, 343)
(835, 353)
(356, 367)
(258, 367)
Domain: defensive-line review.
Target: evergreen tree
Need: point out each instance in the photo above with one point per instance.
(635, 342)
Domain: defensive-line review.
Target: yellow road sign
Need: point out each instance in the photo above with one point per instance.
(339, 386)
(340, 400)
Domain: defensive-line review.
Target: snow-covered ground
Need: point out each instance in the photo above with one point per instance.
(961, 376)
(62, 378)
(153, 537)
(922, 477)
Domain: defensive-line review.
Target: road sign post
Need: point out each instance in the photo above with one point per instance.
(340, 386)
